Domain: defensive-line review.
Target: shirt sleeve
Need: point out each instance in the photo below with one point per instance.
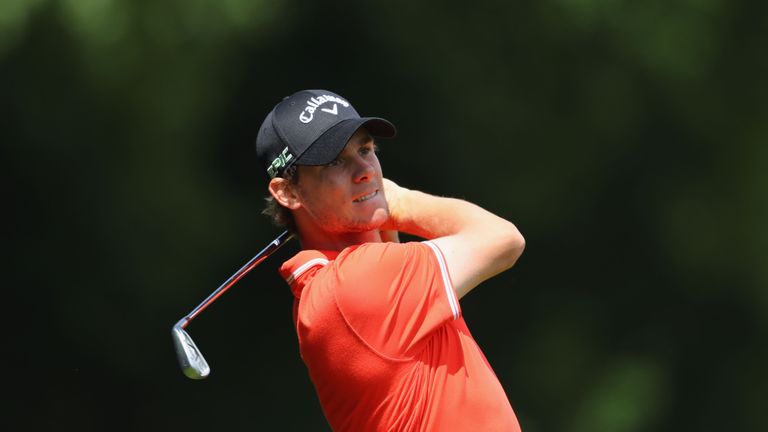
(394, 296)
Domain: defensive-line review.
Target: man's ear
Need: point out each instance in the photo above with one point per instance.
(284, 192)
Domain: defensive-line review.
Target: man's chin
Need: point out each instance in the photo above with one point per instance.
(379, 217)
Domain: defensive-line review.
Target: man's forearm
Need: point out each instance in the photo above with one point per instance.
(476, 243)
(429, 216)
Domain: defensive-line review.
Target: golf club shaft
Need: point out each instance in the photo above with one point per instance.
(256, 260)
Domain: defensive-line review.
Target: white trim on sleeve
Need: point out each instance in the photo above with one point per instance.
(449, 291)
(304, 267)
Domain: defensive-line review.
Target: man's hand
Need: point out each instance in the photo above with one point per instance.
(392, 192)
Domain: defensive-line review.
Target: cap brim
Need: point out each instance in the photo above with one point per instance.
(332, 142)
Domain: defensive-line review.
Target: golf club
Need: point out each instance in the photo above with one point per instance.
(192, 362)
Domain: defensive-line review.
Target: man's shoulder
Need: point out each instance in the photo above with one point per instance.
(379, 253)
(366, 263)
(375, 264)
(304, 261)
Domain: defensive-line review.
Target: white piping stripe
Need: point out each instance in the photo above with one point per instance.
(450, 292)
(304, 267)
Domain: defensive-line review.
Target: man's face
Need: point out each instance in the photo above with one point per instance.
(346, 195)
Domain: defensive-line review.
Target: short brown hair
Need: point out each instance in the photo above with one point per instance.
(282, 216)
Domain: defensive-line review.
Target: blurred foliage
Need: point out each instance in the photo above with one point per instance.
(626, 139)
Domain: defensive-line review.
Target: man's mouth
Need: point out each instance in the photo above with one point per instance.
(366, 197)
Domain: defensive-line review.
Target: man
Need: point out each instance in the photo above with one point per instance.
(378, 322)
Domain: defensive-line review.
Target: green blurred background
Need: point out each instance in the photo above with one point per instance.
(626, 139)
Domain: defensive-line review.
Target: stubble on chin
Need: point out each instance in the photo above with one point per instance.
(379, 217)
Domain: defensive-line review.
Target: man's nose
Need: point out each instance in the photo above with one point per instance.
(364, 172)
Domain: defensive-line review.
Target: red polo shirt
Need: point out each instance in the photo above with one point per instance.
(381, 333)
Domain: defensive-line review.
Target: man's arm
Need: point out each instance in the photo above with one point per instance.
(477, 244)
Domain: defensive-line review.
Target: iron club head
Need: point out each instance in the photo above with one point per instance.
(192, 362)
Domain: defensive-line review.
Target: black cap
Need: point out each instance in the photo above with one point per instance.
(311, 127)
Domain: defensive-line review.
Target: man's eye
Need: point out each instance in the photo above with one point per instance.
(334, 162)
(368, 149)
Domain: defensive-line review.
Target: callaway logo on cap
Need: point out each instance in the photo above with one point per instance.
(308, 114)
(311, 127)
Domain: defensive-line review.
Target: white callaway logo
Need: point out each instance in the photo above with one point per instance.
(313, 104)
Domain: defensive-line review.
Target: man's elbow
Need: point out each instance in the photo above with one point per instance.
(514, 244)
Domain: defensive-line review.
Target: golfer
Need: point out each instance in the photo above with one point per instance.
(379, 322)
